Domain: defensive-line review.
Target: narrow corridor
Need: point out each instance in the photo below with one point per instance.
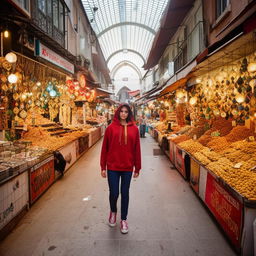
(165, 216)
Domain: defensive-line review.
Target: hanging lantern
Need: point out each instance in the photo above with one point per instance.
(53, 93)
(179, 94)
(49, 87)
(251, 67)
(240, 98)
(6, 33)
(12, 78)
(23, 97)
(209, 81)
(11, 57)
(252, 83)
(193, 100)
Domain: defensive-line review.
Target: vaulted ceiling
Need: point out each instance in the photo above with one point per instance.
(125, 28)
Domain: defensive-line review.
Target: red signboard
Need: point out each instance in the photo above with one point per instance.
(41, 177)
(180, 162)
(226, 208)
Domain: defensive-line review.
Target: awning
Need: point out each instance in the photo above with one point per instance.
(175, 12)
(102, 92)
(174, 86)
(134, 93)
(110, 101)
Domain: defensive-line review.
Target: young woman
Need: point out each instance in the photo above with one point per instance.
(120, 156)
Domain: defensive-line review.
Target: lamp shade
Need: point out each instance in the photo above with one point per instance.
(240, 98)
(12, 78)
(11, 57)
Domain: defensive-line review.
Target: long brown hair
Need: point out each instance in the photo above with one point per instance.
(130, 115)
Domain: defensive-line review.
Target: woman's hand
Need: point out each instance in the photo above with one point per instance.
(136, 174)
(103, 173)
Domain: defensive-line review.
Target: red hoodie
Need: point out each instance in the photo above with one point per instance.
(121, 146)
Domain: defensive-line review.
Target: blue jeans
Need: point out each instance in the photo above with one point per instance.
(113, 182)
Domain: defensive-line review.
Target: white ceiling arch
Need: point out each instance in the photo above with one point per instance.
(125, 24)
(125, 63)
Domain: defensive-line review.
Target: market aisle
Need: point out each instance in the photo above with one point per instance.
(165, 217)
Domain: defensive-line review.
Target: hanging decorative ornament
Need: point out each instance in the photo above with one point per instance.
(252, 83)
(12, 78)
(179, 94)
(16, 110)
(11, 57)
(240, 98)
(23, 97)
(216, 112)
(4, 87)
(15, 96)
(82, 81)
(53, 93)
(38, 84)
(193, 101)
(251, 67)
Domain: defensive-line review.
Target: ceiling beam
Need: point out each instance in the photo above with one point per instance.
(129, 50)
(126, 24)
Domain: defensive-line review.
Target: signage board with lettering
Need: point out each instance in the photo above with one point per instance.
(41, 177)
(49, 55)
(226, 208)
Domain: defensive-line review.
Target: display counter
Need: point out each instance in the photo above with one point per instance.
(172, 151)
(94, 135)
(41, 177)
(234, 213)
(182, 162)
(14, 198)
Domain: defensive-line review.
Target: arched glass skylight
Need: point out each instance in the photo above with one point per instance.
(125, 25)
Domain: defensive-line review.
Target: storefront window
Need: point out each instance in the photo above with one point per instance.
(61, 17)
(24, 4)
(221, 6)
(42, 5)
(55, 6)
(49, 8)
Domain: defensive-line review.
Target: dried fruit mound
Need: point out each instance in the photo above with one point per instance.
(191, 146)
(198, 131)
(205, 139)
(222, 125)
(239, 133)
(181, 138)
(218, 144)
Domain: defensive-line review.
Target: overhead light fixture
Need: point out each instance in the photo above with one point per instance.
(6, 33)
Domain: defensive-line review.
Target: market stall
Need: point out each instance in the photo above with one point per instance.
(212, 142)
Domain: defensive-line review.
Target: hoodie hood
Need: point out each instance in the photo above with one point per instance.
(123, 131)
(117, 115)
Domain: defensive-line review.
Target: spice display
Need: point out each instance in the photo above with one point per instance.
(239, 133)
(213, 156)
(180, 138)
(196, 131)
(205, 139)
(40, 137)
(191, 146)
(218, 144)
(202, 158)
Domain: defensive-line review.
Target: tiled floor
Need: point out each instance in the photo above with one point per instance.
(165, 216)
